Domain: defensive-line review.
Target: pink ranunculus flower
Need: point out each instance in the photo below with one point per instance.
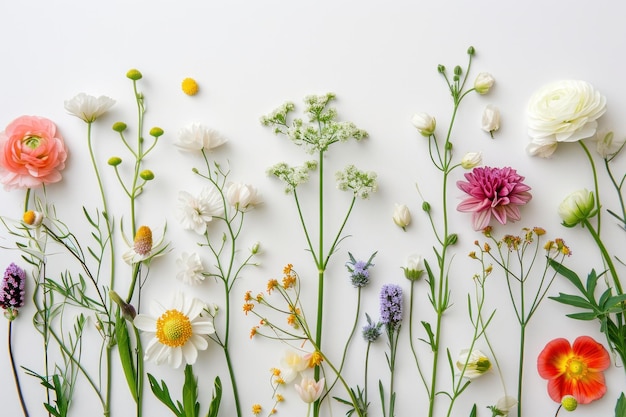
(496, 192)
(32, 153)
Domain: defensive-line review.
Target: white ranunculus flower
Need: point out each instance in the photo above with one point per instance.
(401, 216)
(88, 108)
(471, 160)
(179, 331)
(190, 269)
(475, 363)
(196, 137)
(563, 111)
(483, 83)
(491, 119)
(242, 196)
(424, 123)
(194, 212)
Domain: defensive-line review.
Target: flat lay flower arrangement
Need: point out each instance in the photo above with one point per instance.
(87, 277)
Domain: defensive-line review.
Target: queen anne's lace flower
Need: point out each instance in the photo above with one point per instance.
(179, 331)
(195, 212)
(88, 108)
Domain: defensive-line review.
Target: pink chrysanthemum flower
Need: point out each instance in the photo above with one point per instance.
(496, 192)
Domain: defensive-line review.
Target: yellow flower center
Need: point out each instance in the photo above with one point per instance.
(173, 328)
(32, 141)
(143, 241)
(576, 368)
(29, 217)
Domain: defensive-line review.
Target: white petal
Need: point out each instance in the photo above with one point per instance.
(145, 323)
(190, 352)
(175, 357)
(202, 326)
(199, 342)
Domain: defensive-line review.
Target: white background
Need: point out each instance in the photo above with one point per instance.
(381, 60)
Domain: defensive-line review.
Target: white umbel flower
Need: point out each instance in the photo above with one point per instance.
(88, 108)
(179, 331)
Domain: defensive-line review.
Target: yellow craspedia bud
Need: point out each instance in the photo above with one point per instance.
(134, 74)
(114, 161)
(156, 132)
(569, 402)
(146, 175)
(190, 86)
(119, 126)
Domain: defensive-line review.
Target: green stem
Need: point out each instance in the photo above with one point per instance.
(605, 255)
(419, 370)
(520, 369)
(595, 180)
(320, 276)
(16, 377)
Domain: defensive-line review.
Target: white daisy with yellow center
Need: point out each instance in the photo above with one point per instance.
(179, 332)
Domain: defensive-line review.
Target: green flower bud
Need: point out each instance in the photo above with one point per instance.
(441, 69)
(134, 74)
(119, 126)
(458, 70)
(156, 132)
(146, 175)
(578, 206)
(426, 206)
(255, 248)
(127, 310)
(114, 161)
(569, 403)
(448, 146)
(471, 50)
(451, 239)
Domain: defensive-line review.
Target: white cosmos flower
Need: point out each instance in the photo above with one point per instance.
(194, 212)
(242, 196)
(88, 108)
(196, 137)
(179, 331)
(190, 269)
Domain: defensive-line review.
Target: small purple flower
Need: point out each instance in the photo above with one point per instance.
(371, 331)
(391, 305)
(12, 292)
(359, 274)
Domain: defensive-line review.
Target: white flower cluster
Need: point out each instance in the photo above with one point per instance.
(292, 176)
(361, 183)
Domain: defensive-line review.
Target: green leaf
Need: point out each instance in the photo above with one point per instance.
(125, 351)
(568, 273)
(573, 300)
(431, 335)
(620, 406)
(190, 393)
(582, 316)
(473, 412)
(163, 394)
(214, 408)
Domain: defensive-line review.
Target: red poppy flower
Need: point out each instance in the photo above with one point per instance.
(574, 370)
